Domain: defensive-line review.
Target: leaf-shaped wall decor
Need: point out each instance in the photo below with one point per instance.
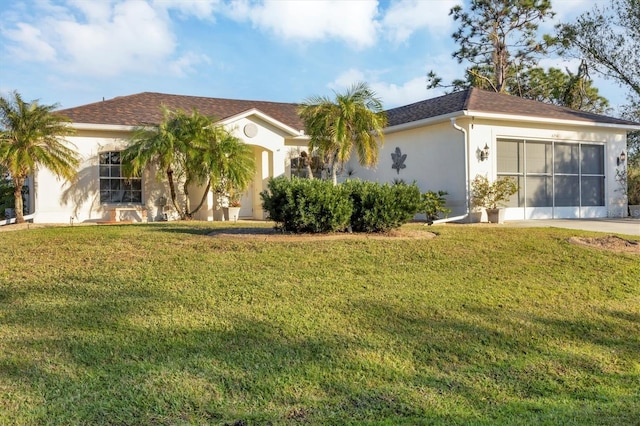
(398, 160)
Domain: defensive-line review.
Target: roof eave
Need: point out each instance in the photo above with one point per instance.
(506, 117)
(102, 127)
(254, 111)
(549, 120)
(297, 140)
(424, 122)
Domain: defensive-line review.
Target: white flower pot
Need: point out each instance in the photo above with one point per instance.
(232, 213)
(495, 215)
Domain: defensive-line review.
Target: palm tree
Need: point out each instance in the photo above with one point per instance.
(169, 145)
(233, 166)
(32, 136)
(353, 121)
(191, 149)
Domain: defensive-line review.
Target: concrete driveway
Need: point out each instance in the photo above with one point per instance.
(626, 226)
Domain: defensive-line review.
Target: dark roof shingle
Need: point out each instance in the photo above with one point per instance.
(145, 108)
(478, 100)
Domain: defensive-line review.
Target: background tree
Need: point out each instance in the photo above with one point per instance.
(556, 87)
(32, 136)
(353, 121)
(190, 149)
(499, 39)
(608, 38)
(498, 36)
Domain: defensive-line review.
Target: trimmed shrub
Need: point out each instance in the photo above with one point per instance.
(303, 205)
(380, 208)
(434, 204)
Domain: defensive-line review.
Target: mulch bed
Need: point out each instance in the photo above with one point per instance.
(609, 242)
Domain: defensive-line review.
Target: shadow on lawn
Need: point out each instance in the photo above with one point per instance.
(123, 359)
(508, 366)
(128, 359)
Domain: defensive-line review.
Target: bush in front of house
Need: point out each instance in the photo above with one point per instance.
(434, 205)
(307, 205)
(303, 205)
(380, 208)
(633, 185)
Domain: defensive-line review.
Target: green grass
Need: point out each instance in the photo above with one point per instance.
(160, 324)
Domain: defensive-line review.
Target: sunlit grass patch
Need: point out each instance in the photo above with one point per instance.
(162, 324)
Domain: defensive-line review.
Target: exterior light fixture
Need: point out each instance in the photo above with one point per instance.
(621, 158)
(484, 154)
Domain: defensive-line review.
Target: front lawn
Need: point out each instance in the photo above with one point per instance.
(162, 324)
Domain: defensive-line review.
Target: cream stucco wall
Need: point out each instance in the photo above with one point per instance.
(434, 162)
(484, 131)
(57, 201)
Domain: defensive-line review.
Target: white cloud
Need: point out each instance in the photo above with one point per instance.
(569, 9)
(104, 38)
(405, 17)
(130, 37)
(29, 44)
(351, 21)
(347, 79)
(201, 9)
(392, 94)
(406, 93)
(93, 11)
(560, 63)
(186, 63)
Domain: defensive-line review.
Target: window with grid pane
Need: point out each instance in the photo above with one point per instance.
(115, 188)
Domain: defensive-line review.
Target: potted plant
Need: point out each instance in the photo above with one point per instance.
(492, 195)
(234, 169)
(233, 211)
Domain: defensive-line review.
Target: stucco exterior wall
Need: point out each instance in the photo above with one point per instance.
(435, 161)
(57, 201)
(483, 131)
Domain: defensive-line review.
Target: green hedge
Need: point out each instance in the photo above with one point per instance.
(379, 208)
(302, 205)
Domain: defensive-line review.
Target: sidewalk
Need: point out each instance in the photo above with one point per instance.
(626, 226)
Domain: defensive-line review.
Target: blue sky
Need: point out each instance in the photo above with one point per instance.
(75, 52)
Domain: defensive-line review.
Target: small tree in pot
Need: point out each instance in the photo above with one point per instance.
(492, 195)
(232, 172)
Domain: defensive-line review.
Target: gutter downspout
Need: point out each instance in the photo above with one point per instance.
(466, 175)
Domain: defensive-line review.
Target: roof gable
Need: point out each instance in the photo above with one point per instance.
(482, 101)
(145, 108)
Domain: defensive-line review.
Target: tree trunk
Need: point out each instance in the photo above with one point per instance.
(172, 191)
(204, 197)
(334, 173)
(307, 163)
(18, 183)
(187, 203)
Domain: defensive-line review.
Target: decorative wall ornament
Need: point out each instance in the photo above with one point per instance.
(398, 160)
(250, 130)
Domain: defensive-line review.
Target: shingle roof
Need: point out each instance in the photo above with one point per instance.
(145, 108)
(478, 100)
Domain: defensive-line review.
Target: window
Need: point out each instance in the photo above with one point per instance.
(114, 187)
(553, 174)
